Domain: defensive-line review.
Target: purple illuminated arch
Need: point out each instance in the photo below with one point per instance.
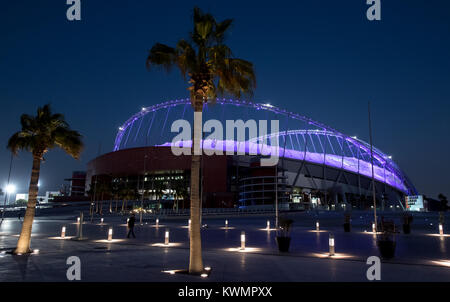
(383, 164)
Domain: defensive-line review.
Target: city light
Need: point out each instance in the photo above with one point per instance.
(10, 189)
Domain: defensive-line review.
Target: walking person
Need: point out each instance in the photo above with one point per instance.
(131, 222)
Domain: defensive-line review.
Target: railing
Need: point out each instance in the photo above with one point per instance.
(215, 211)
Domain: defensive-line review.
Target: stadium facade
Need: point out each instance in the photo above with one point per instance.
(318, 165)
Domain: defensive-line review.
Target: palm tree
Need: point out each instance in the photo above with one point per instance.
(103, 189)
(39, 134)
(127, 194)
(212, 70)
(180, 191)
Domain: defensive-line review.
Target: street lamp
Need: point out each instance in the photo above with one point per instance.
(10, 189)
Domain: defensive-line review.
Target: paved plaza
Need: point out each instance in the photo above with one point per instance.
(420, 256)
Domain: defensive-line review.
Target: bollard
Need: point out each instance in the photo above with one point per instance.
(189, 223)
(374, 229)
(157, 222)
(78, 220)
(441, 229)
(110, 233)
(101, 221)
(268, 224)
(80, 229)
(317, 226)
(331, 243)
(242, 240)
(166, 238)
(226, 224)
(63, 232)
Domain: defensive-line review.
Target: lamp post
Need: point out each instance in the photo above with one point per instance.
(7, 185)
(373, 173)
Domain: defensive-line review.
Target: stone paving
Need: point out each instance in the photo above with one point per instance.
(420, 256)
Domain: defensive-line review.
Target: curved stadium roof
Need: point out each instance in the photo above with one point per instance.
(299, 137)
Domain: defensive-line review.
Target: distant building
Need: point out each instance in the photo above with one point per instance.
(77, 183)
(49, 196)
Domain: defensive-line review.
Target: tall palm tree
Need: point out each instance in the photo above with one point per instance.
(212, 70)
(39, 134)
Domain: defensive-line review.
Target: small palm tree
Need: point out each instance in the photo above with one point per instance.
(127, 194)
(212, 70)
(39, 134)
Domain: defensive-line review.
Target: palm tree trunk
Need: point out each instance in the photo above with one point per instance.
(23, 245)
(195, 240)
(101, 205)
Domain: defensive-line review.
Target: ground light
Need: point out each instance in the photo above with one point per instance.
(331, 244)
(226, 224)
(442, 263)
(101, 221)
(268, 225)
(110, 233)
(441, 229)
(242, 240)
(204, 274)
(157, 222)
(317, 226)
(166, 237)
(63, 232)
(78, 220)
(374, 230)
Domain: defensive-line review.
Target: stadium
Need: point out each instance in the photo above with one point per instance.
(318, 167)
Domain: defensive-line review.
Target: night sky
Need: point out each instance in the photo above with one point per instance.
(322, 59)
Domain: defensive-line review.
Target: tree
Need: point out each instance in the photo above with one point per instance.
(159, 187)
(180, 188)
(127, 194)
(102, 189)
(39, 134)
(443, 199)
(212, 70)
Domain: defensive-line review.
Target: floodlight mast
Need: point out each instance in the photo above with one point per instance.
(6, 193)
(373, 174)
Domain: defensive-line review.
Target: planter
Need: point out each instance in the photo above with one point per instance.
(347, 227)
(406, 228)
(386, 248)
(283, 243)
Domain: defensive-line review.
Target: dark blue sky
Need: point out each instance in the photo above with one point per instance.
(322, 59)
